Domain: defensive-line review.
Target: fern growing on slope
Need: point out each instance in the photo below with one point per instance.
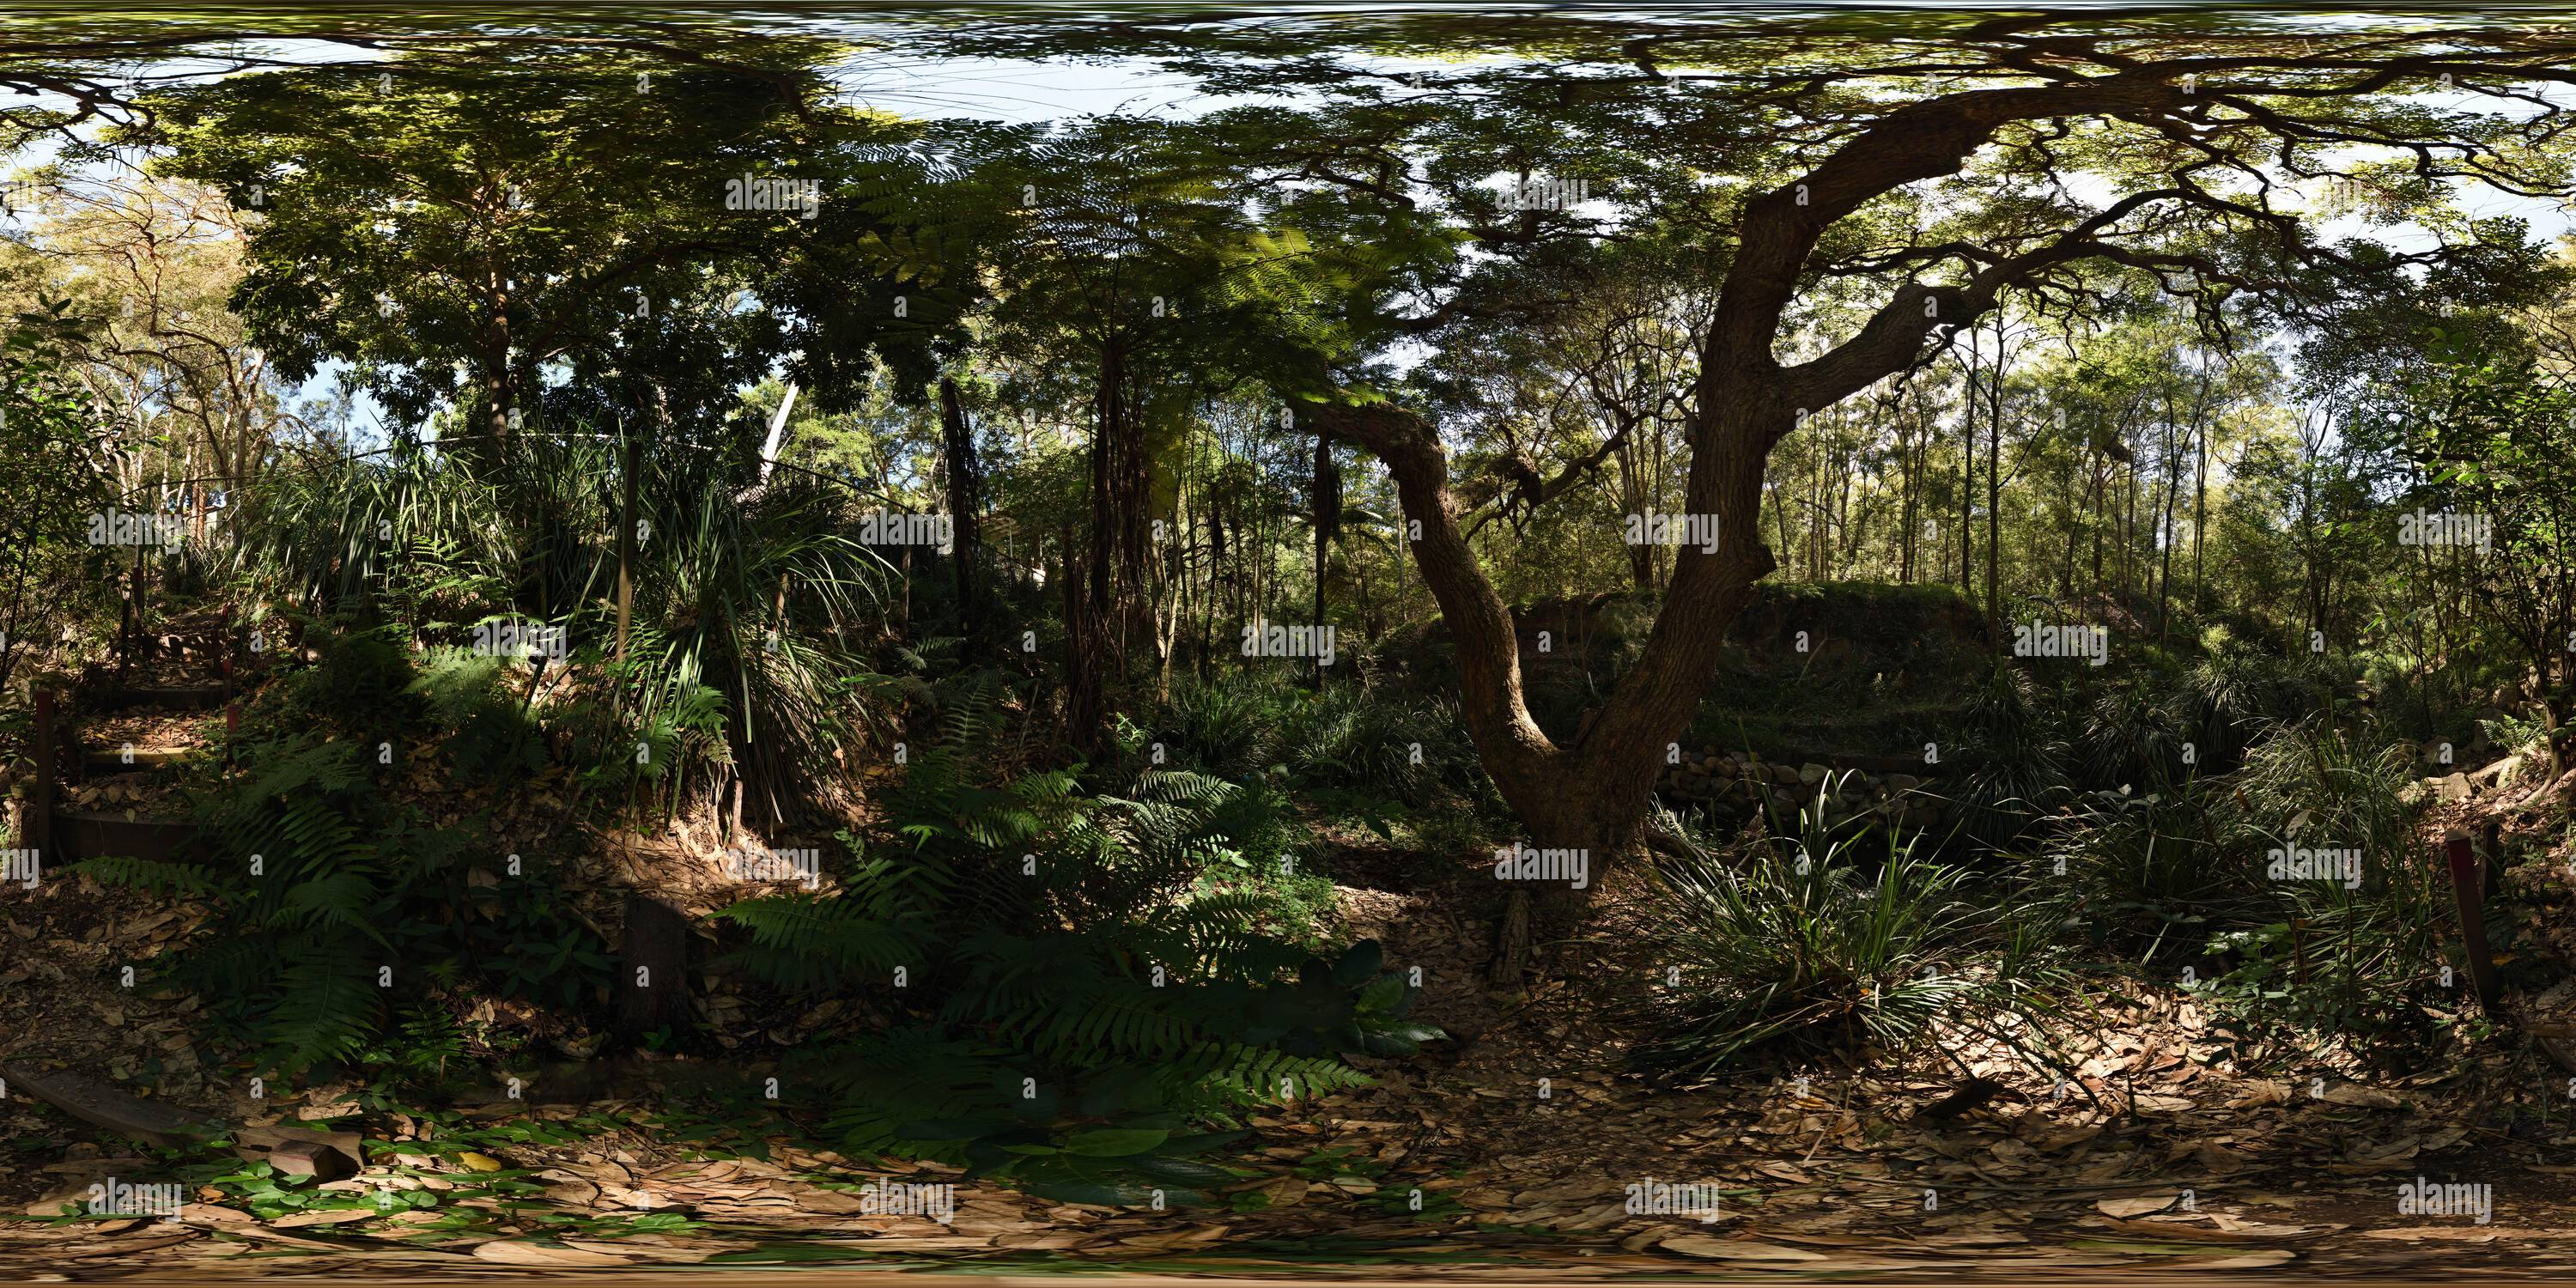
(1080, 1014)
(335, 907)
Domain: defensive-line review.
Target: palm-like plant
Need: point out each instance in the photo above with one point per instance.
(1792, 940)
(755, 597)
(743, 651)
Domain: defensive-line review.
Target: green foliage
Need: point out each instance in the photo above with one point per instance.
(494, 740)
(318, 880)
(1077, 994)
(2313, 951)
(1229, 726)
(2196, 875)
(55, 468)
(2234, 693)
(744, 600)
(1780, 943)
(484, 219)
(1348, 737)
(2019, 750)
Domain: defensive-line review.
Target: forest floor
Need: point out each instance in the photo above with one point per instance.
(2185, 1168)
(1506, 1152)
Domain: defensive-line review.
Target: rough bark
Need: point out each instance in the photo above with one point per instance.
(1093, 599)
(965, 503)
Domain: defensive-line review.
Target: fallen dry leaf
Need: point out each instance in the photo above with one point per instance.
(2123, 1209)
(1699, 1245)
(333, 1216)
(519, 1252)
(2361, 1097)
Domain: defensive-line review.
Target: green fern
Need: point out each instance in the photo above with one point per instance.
(326, 1006)
(1079, 997)
(315, 883)
(148, 875)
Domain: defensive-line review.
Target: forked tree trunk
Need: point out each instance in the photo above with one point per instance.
(1592, 792)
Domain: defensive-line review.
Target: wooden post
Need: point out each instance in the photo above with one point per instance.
(2465, 892)
(40, 809)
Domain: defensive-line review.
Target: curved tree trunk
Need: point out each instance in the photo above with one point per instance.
(1592, 793)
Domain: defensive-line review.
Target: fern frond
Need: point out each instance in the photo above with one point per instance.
(149, 875)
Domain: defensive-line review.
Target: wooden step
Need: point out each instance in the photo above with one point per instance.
(178, 697)
(120, 757)
(91, 834)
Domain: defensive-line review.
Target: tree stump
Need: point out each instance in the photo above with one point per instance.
(652, 984)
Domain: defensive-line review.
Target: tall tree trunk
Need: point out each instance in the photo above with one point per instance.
(2073, 507)
(2101, 514)
(1092, 643)
(1084, 697)
(493, 363)
(1328, 515)
(625, 539)
(965, 507)
(2200, 502)
(1995, 482)
(1909, 479)
(1968, 486)
(2164, 529)
(1592, 791)
(2129, 541)
(1590, 794)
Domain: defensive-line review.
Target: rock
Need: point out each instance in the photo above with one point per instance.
(1903, 783)
(2454, 788)
(311, 1158)
(1784, 775)
(1811, 773)
(303, 1151)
